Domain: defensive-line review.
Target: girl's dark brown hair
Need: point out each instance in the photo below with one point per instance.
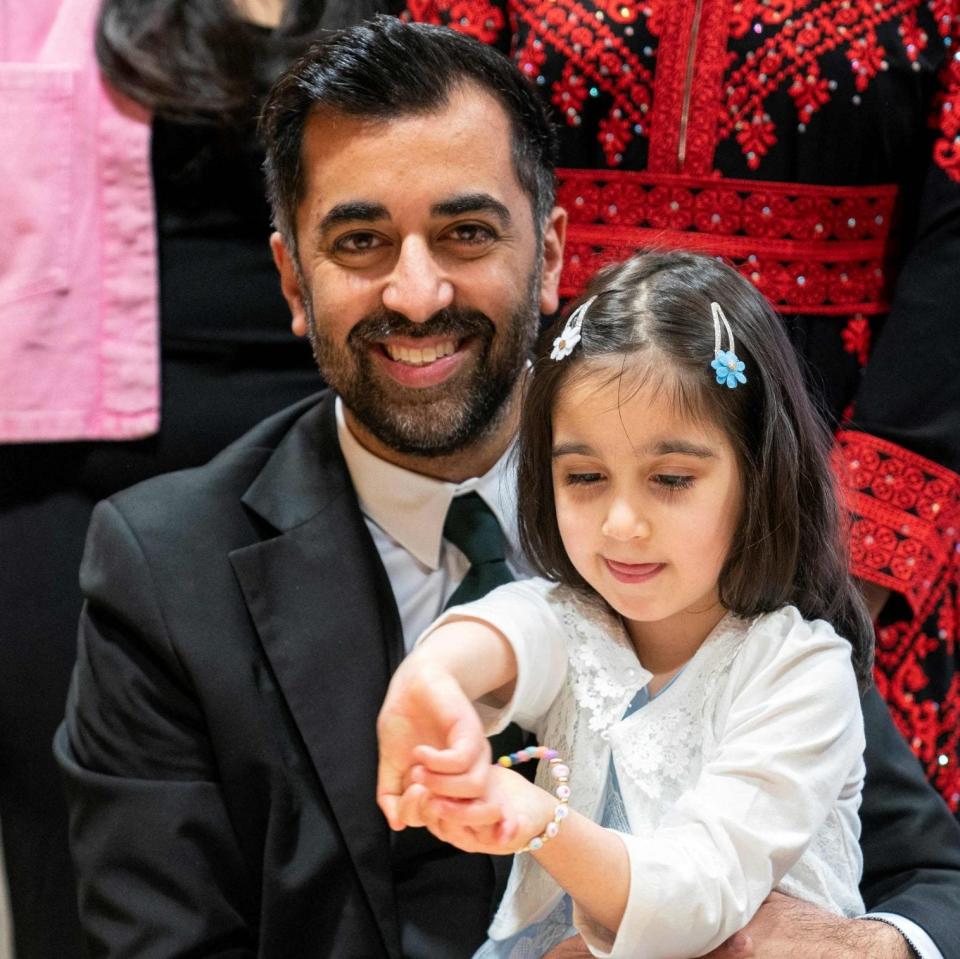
(789, 544)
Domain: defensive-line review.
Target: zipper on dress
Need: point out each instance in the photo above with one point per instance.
(688, 85)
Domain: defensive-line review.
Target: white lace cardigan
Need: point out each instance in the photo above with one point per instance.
(742, 777)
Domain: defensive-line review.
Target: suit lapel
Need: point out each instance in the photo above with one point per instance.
(322, 605)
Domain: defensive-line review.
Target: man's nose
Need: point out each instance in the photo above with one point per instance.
(625, 521)
(417, 287)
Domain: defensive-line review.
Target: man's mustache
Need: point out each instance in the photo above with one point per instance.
(449, 322)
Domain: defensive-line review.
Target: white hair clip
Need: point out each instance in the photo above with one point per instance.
(727, 365)
(570, 336)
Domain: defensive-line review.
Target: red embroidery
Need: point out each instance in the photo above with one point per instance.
(914, 37)
(755, 138)
(866, 57)
(946, 150)
(808, 248)
(908, 652)
(905, 535)
(792, 55)
(770, 12)
(482, 19)
(597, 61)
(809, 93)
(856, 337)
(907, 513)
(726, 96)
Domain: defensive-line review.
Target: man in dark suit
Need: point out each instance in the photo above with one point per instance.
(242, 620)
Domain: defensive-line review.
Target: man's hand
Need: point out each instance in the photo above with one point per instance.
(788, 928)
(426, 717)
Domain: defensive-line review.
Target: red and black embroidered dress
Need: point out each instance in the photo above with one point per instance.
(817, 146)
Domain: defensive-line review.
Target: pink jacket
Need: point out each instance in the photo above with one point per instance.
(79, 354)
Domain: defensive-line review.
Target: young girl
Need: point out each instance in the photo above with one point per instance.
(683, 655)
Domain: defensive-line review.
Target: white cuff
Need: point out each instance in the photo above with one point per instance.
(916, 937)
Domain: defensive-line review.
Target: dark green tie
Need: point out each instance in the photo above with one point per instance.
(474, 530)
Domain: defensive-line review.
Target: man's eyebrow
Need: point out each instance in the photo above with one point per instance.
(352, 211)
(472, 203)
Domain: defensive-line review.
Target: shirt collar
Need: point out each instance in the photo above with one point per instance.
(412, 508)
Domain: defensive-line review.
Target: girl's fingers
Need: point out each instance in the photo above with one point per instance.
(410, 808)
(505, 831)
(471, 812)
(467, 749)
(468, 785)
(390, 807)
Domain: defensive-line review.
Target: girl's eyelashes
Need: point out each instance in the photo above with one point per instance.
(666, 482)
(672, 483)
(582, 479)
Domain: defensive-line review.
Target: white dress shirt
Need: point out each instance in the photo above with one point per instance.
(405, 513)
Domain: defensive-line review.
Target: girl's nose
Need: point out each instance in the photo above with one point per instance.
(624, 521)
(417, 288)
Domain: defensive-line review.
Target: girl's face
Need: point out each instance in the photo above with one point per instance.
(647, 503)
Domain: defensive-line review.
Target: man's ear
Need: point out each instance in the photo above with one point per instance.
(554, 236)
(289, 284)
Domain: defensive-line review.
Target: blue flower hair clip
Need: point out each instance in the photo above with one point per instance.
(726, 364)
(570, 335)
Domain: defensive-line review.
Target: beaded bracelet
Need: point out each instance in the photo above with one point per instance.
(561, 773)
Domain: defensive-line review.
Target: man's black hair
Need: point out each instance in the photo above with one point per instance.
(386, 69)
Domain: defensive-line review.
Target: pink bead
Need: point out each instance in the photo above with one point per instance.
(552, 829)
(560, 771)
(563, 792)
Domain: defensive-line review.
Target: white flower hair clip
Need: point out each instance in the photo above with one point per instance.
(570, 336)
(726, 364)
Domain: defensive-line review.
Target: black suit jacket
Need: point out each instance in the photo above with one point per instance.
(220, 748)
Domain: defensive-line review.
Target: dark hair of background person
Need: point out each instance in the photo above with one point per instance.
(788, 546)
(201, 61)
(386, 69)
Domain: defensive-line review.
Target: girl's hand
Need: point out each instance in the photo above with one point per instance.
(428, 717)
(426, 714)
(509, 814)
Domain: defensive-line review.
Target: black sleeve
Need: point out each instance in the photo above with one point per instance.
(160, 873)
(911, 842)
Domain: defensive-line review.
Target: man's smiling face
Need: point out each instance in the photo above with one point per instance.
(421, 277)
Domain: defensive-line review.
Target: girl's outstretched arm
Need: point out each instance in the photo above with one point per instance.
(429, 720)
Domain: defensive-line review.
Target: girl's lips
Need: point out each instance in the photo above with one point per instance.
(633, 572)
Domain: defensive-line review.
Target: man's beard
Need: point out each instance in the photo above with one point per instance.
(435, 420)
